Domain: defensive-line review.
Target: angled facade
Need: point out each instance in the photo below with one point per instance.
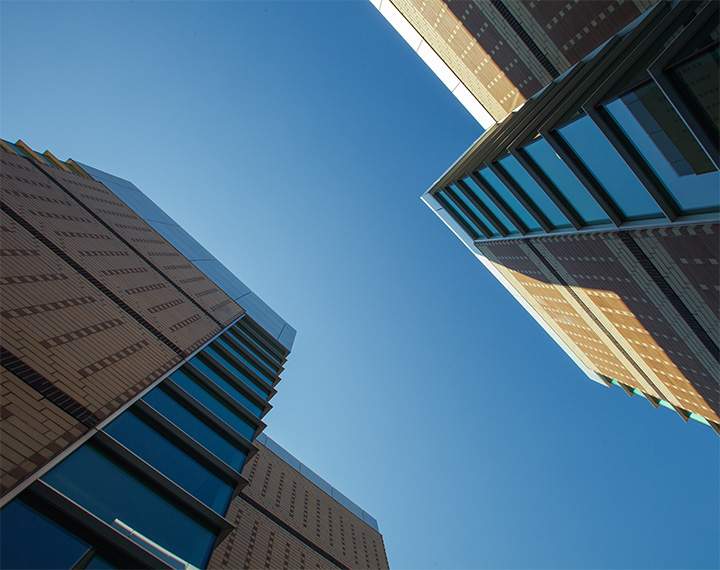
(496, 54)
(136, 373)
(597, 205)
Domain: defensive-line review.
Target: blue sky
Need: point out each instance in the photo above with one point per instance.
(293, 140)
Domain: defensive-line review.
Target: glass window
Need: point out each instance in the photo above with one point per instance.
(52, 545)
(262, 390)
(509, 199)
(490, 205)
(591, 146)
(256, 349)
(213, 375)
(457, 213)
(103, 487)
(536, 194)
(565, 181)
(475, 211)
(196, 428)
(171, 461)
(187, 383)
(691, 190)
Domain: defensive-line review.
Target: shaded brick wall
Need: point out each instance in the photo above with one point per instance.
(639, 307)
(316, 530)
(96, 306)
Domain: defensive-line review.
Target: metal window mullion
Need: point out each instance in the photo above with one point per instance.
(215, 422)
(179, 495)
(521, 197)
(499, 202)
(640, 168)
(254, 358)
(255, 346)
(549, 188)
(469, 230)
(168, 429)
(256, 332)
(93, 530)
(492, 218)
(586, 178)
(232, 380)
(222, 394)
(463, 207)
(244, 369)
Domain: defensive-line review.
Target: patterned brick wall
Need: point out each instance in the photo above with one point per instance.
(91, 313)
(639, 307)
(506, 51)
(285, 521)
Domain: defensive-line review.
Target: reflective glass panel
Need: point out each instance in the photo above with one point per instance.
(213, 404)
(196, 428)
(255, 348)
(171, 461)
(509, 199)
(534, 192)
(565, 181)
(213, 375)
(475, 211)
(261, 390)
(52, 546)
(103, 487)
(591, 146)
(490, 205)
(691, 190)
(267, 375)
(458, 214)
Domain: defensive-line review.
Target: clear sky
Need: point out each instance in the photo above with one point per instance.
(293, 140)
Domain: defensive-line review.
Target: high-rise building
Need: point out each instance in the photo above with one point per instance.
(597, 203)
(136, 370)
(496, 54)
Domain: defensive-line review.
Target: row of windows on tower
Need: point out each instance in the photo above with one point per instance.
(163, 471)
(651, 168)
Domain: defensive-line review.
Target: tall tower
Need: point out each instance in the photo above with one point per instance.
(597, 204)
(136, 373)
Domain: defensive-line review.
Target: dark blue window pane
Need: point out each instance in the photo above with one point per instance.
(536, 194)
(99, 563)
(196, 428)
(212, 374)
(691, 191)
(110, 492)
(475, 211)
(267, 376)
(591, 146)
(565, 181)
(262, 392)
(256, 349)
(30, 540)
(213, 404)
(171, 461)
(459, 214)
(507, 197)
(490, 205)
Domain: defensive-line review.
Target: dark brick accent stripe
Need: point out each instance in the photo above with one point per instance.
(101, 253)
(193, 279)
(82, 235)
(108, 212)
(148, 240)
(34, 309)
(112, 359)
(48, 390)
(164, 306)
(136, 228)
(670, 294)
(80, 333)
(146, 288)
(59, 216)
(17, 279)
(126, 271)
(164, 254)
(292, 531)
(207, 292)
(526, 39)
(36, 197)
(15, 252)
(184, 323)
(84, 273)
(587, 310)
(219, 305)
(174, 267)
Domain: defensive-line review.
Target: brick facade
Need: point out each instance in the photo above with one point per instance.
(96, 306)
(284, 521)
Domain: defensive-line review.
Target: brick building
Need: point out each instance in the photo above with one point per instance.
(496, 54)
(136, 370)
(597, 205)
